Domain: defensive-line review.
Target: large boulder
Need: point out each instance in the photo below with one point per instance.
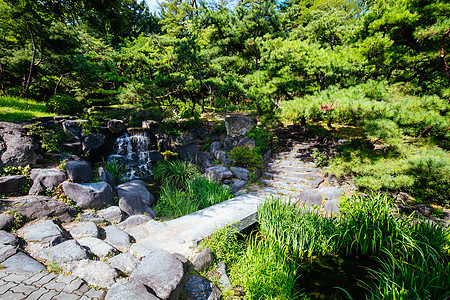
(311, 197)
(117, 238)
(6, 221)
(16, 148)
(104, 175)
(116, 126)
(7, 238)
(125, 262)
(111, 214)
(185, 138)
(73, 128)
(330, 192)
(45, 179)
(204, 160)
(187, 152)
(240, 173)
(246, 142)
(67, 251)
(218, 173)
(132, 204)
(199, 288)
(79, 171)
(162, 272)
(239, 125)
(89, 195)
(238, 185)
(140, 187)
(39, 207)
(215, 146)
(93, 142)
(11, 184)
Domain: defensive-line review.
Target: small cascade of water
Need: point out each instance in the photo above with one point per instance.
(133, 150)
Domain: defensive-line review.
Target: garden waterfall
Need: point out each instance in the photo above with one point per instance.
(134, 150)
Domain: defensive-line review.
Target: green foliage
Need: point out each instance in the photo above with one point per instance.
(19, 220)
(64, 104)
(50, 140)
(57, 193)
(116, 169)
(175, 173)
(175, 202)
(320, 157)
(246, 158)
(227, 245)
(263, 139)
(266, 271)
(14, 109)
(11, 170)
(53, 267)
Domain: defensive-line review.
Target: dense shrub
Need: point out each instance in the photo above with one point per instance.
(246, 158)
(64, 104)
(175, 173)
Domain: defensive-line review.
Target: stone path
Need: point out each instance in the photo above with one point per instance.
(43, 285)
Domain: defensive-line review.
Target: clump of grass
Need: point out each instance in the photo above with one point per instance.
(226, 244)
(305, 232)
(115, 168)
(175, 173)
(266, 271)
(18, 109)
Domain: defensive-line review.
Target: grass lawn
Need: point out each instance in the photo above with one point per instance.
(19, 109)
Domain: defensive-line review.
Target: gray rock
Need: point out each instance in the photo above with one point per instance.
(22, 262)
(67, 251)
(155, 225)
(204, 160)
(88, 229)
(221, 157)
(203, 260)
(238, 185)
(144, 248)
(117, 238)
(96, 273)
(187, 152)
(185, 138)
(91, 217)
(239, 125)
(97, 246)
(111, 214)
(167, 281)
(17, 149)
(332, 206)
(246, 142)
(116, 126)
(224, 280)
(311, 197)
(150, 124)
(134, 221)
(73, 127)
(72, 148)
(79, 171)
(45, 179)
(199, 288)
(6, 251)
(315, 184)
(11, 184)
(129, 290)
(5, 221)
(218, 173)
(124, 262)
(89, 195)
(140, 187)
(104, 175)
(240, 173)
(155, 156)
(93, 142)
(330, 192)
(39, 207)
(43, 232)
(132, 204)
(7, 238)
(202, 132)
(215, 147)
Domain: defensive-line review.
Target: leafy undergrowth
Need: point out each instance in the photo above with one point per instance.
(184, 191)
(413, 255)
(18, 109)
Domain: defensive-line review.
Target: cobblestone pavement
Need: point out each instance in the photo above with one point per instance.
(43, 286)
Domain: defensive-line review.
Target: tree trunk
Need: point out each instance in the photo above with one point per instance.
(27, 83)
(444, 61)
(1, 80)
(59, 81)
(330, 120)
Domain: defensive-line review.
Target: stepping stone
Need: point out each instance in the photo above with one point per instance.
(167, 282)
(91, 217)
(311, 197)
(67, 251)
(332, 206)
(45, 179)
(111, 214)
(23, 262)
(96, 273)
(43, 232)
(330, 192)
(144, 248)
(88, 229)
(7, 238)
(125, 262)
(6, 251)
(134, 221)
(97, 246)
(117, 238)
(89, 195)
(5, 221)
(315, 184)
(129, 290)
(40, 207)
